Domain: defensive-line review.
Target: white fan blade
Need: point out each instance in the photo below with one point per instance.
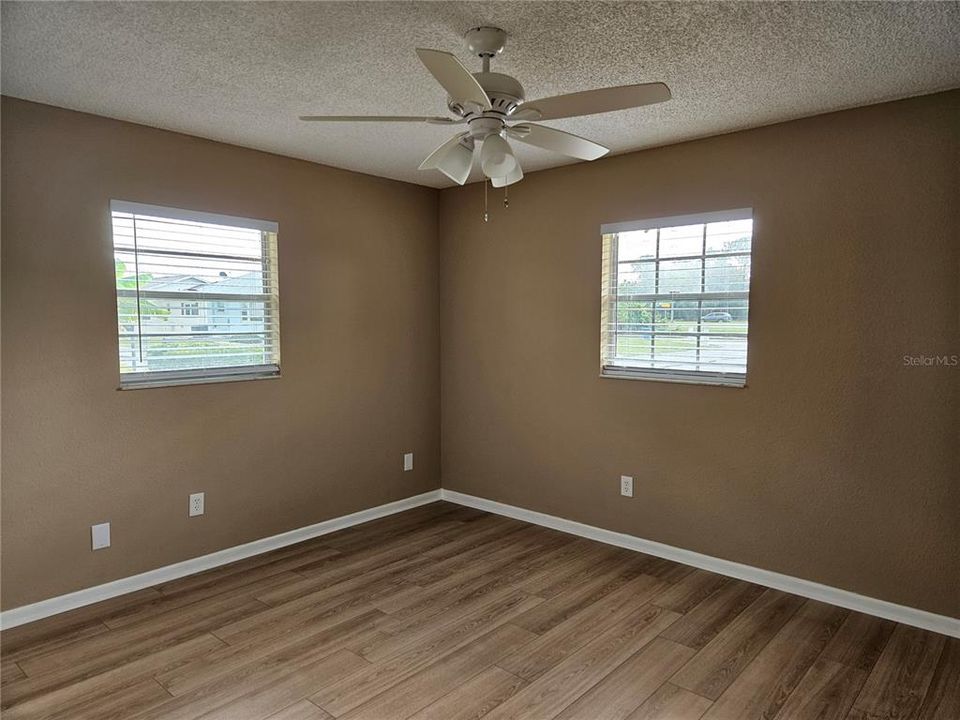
(455, 78)
(381, 118)
(510, 179)
(558, 141)
(453, 159)
(590, 102)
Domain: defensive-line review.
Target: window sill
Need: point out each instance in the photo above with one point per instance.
(712, 380)
(207, 380)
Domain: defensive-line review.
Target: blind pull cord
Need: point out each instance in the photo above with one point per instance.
(136, 273)
(486, 210)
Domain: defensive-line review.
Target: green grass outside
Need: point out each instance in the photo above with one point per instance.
(738, 326)
(167, 355)
(636, 346)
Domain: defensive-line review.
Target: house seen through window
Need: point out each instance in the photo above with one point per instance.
(676, 298)
(197, 296)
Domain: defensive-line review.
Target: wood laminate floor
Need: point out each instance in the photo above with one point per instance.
(448, 613)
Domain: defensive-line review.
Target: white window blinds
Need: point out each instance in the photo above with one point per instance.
(676, 298)
(197, 296)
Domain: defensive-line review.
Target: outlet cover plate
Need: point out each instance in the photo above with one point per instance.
(626, 486)
(100, 536)
(196, 504)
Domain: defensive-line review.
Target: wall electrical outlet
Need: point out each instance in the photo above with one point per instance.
(196, 504)
(407, 461)
(626, 486)
(100, 536)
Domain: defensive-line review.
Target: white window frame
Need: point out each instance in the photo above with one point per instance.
(165, 378)
(610, 298)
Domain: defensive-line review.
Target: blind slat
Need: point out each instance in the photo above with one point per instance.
(191, 296)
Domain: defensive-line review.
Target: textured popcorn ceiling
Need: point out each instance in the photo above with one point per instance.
(243, 72)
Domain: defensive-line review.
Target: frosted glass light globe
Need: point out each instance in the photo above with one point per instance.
(496, 157)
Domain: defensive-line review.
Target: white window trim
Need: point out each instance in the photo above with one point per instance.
(688, 377)
(170, 378)
(136, 208)
(677, 220)
(731, 380)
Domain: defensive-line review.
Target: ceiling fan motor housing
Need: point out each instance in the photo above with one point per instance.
(505, 95)
(482, 126)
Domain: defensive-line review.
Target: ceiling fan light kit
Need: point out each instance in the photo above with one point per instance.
(496, 157)
(487, 101)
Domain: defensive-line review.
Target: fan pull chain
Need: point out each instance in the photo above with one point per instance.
(506, 199)
(486, 212)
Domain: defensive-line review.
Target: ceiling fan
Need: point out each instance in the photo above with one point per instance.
(487, 101)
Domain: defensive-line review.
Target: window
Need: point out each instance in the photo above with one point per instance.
(676, 298)
(177, 268)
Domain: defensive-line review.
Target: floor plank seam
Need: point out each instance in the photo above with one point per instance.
(669, 681)
(154, 678)
(316, 705)
(512, 674)
(223, 643)
(661, 635)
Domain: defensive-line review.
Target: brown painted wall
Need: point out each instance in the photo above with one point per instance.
(837, 463)
(360, 346)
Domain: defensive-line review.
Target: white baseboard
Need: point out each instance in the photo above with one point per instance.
(797, 586)
(63, 603)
